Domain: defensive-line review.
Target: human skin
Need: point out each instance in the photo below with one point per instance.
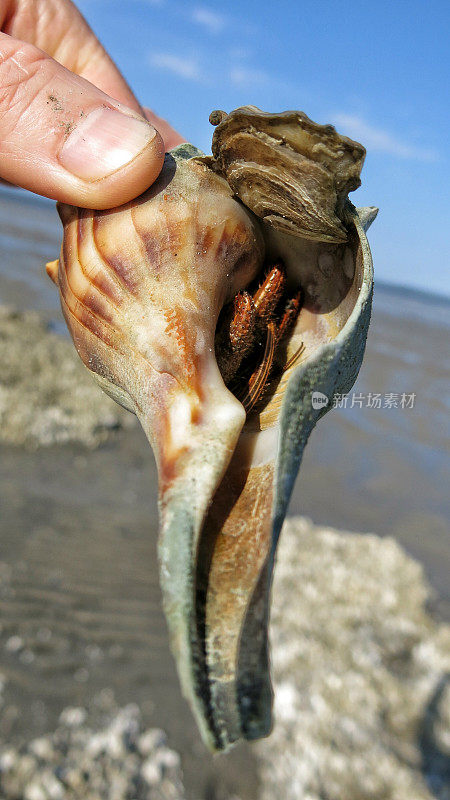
(70, 126)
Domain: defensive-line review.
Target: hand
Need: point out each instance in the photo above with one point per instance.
(70, 126)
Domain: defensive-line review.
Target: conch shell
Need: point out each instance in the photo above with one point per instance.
(142, 287)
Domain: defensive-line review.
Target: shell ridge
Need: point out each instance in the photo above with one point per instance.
(126, 288)
(91, 331)
(90, 276)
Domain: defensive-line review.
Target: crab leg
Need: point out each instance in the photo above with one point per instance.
(294, 357)
(235, 336)
(260, 376)
(290, 315)
(269, 294)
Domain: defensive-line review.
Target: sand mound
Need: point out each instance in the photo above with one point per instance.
(361, 673)
(116, 760)
(46, 394)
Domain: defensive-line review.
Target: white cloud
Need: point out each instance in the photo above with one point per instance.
(210, 20)
(184, 67)
(247, 77)
(378, 139)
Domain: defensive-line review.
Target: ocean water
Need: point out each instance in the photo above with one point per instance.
(29, 237)
(78, 528)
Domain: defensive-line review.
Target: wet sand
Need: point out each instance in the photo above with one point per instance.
(78, 533)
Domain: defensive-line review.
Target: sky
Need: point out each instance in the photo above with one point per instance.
(378, 71)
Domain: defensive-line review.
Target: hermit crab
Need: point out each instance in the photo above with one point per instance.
(214, 307)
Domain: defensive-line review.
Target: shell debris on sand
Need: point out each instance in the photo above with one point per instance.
(114, 759)
(46, 395)
(361, 673)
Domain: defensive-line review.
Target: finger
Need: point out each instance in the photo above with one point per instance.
(62, 137)
(170, 136)
(58, 28)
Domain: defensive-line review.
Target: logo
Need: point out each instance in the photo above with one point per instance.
(319, 400)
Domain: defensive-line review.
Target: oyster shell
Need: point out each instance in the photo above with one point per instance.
(293, 173)
(141, 289)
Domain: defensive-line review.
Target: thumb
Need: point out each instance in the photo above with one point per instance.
(62, 137)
